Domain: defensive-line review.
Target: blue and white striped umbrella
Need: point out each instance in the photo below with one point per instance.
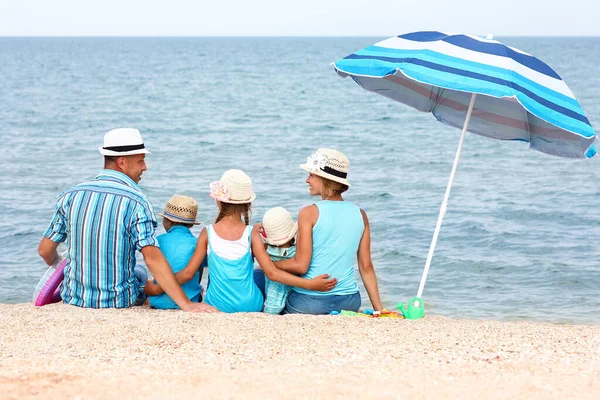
(523, 98)
(478, 84)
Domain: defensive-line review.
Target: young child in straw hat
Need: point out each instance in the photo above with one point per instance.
(231, 244)
(278, 231)
(178, 245)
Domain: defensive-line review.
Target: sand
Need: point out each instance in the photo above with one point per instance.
(59, 351)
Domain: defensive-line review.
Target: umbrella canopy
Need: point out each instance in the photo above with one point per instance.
(523, 98)
(478, 84)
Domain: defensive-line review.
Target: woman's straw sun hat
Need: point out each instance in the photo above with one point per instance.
(181, 209)
(278, 226)
(329, 164)
(234, 187)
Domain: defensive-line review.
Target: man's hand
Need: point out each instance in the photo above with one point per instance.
(322, 283)
(199, 308)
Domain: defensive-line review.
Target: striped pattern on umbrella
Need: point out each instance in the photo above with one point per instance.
(523, 98)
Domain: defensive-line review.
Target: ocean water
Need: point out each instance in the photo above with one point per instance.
(520, 238)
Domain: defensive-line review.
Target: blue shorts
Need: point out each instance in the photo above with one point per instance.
(141, 276)
(298, 303)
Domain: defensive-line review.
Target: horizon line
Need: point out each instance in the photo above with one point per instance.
(267, 36)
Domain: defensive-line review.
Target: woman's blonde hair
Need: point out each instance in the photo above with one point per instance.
(227, 209)
(332, 188)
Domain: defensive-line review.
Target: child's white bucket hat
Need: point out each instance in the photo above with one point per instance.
(278, 226)
(329, 164)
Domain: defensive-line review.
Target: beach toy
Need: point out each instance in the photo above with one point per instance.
(415, 309)
(373, 314)
(47, 290)
(351, 313)
(400, 306)
(334, 313)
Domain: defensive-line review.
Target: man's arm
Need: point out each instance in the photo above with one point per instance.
(47, 250)
(55, 233)
(161, 270)
(307, 217)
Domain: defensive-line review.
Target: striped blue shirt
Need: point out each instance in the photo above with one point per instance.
(104, 222)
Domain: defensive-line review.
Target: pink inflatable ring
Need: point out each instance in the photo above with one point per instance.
(47, 290)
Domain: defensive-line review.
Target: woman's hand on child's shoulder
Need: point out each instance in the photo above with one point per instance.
(322, 283)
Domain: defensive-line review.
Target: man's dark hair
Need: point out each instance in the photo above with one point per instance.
(110, 159)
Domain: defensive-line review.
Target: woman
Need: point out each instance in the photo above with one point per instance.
(331, 235)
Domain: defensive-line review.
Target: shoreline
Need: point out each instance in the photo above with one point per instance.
(59, 351)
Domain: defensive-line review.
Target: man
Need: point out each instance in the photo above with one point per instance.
(104, 221)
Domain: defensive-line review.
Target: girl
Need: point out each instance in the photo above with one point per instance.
(230, 244)
(332, 234)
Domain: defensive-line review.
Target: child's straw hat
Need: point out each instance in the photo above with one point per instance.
(181, 209)
(278, 226)
(234, 187)
(328, 164)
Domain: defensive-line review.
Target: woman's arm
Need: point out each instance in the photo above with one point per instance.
(320, 283)
(190, 269)
(365, 265)
(307, 218)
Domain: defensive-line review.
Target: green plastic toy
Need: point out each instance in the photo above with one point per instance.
(416, 308)
(349, 313)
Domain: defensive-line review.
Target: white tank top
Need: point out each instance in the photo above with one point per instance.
(228, 249)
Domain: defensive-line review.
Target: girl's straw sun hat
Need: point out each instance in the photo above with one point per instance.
(181, 209)
(234, 187)
(278, 226)
(329, 164)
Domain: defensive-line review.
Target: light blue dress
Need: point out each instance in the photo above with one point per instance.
(231, 286)
(276, 292)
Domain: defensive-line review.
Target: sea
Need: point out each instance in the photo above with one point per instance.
(520, 240)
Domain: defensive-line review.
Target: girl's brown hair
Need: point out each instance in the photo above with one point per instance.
(332, 188)
(234, 209)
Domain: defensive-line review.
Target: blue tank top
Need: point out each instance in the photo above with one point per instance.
(231, 286)
(335, 240)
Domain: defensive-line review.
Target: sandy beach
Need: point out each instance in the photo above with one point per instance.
(59, 351)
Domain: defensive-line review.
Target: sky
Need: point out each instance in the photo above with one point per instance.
(297, 18)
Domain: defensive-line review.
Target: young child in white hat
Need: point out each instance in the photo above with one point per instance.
(278, 232)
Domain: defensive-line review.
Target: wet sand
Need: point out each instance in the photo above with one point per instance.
(59, 351)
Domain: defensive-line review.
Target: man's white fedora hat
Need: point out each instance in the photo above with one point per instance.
(123, 142)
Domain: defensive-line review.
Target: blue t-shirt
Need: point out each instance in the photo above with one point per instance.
(178, 246)
(336, 237)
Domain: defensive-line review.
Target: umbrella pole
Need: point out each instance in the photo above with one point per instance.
(445, 202)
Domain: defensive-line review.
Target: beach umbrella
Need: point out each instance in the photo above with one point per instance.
(479, 85)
